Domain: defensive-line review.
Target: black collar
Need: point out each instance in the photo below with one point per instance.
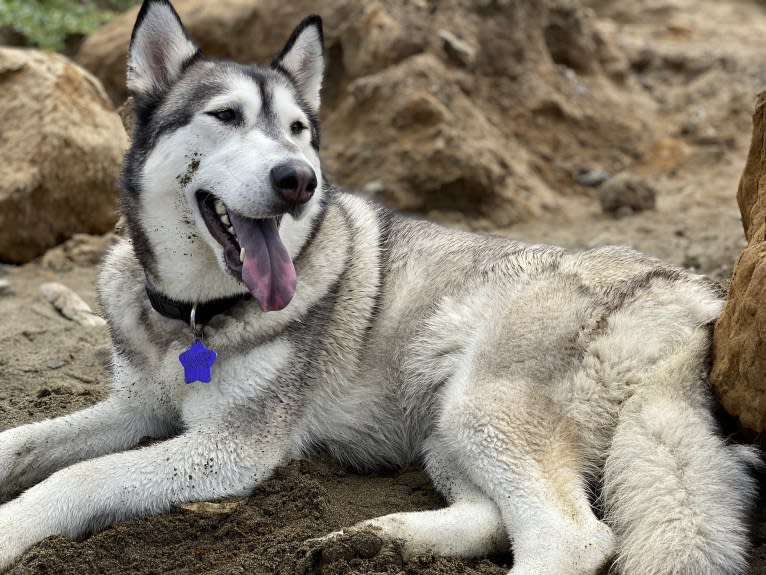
(182, 310)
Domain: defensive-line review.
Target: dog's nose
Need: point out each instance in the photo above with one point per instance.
(295, 181)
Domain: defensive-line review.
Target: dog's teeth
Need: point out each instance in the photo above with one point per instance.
(225, 219)
(242, 254)
(220, 209)
(231, 230)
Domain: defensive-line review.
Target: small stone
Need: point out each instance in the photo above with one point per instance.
(458, 50)
(373, 188)
(55, 363)
(591, 177)
(625, 194)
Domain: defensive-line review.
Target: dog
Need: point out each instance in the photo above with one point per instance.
(558, 399)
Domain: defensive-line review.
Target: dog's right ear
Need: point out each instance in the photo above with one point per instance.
(159, 49)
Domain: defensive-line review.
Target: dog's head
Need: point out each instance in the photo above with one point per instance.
(222, 181)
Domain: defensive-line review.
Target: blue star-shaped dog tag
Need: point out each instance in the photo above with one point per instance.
(198, 362)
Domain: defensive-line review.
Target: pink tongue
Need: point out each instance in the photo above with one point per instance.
(267, 271)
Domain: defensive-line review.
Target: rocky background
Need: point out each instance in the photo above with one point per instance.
(573, 122)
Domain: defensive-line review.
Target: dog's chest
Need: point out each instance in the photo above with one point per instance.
(237, 377)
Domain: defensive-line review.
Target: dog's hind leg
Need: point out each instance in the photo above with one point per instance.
(515, 445)
(471, 526)
(31, 452)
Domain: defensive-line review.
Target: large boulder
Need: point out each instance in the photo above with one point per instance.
(739, 367)
(61, 144)
(486, 119)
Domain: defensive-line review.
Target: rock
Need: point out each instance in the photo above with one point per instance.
(626, 194)
(739, 365)
(568, 40)
(71, 305)
(62, 145)
(459, 50)
(591, 177)
(56, 363)
(82, 250)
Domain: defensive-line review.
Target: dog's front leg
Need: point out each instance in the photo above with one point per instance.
(215, 460)
(32, 452)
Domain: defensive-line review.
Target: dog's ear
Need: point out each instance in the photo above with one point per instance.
(159, 49)
(302, 59)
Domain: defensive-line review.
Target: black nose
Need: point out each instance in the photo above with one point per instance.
(295, 181)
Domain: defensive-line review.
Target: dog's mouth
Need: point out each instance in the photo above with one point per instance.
(252, 250)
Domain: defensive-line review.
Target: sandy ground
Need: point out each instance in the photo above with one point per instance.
(50, 366)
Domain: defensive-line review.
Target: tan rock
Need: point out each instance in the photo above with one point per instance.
(739, 368)
(62, 145)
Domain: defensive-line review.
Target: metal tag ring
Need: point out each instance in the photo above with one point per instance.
(196, 330)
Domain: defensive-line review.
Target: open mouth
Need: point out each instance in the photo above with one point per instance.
(252, 250)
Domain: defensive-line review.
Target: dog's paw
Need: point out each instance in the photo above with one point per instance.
(347, 549)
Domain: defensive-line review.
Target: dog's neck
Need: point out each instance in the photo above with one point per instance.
(181, 310)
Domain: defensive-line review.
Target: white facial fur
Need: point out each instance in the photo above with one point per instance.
(233, 163)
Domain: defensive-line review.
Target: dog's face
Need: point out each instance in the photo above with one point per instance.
(223, 180)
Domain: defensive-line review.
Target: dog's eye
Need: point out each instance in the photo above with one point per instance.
(226, 115)
(297, 127)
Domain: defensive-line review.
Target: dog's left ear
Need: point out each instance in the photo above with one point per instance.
(302, 59)
(159, 49)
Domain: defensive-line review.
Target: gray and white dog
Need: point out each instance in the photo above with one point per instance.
(534, 384)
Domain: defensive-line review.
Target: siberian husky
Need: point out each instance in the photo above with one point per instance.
(558, 399)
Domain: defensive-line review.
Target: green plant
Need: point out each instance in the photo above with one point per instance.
(47, 23)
